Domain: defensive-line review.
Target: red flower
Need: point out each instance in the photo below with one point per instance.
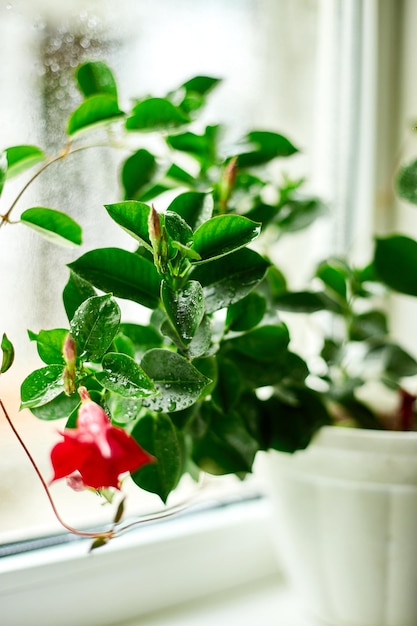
(96, 449)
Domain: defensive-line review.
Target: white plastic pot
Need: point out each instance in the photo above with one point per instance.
(346, 525)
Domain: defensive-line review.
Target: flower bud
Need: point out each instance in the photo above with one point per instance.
(230, 174)
(158, 239)
(69, 353)
(227, 183)
(154, 228)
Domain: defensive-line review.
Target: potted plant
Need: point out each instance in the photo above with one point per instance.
(347, 506)
(208, 378)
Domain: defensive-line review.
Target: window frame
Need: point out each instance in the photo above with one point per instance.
(207, 549)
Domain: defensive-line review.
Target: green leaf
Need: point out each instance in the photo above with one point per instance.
(155, 189)
(224, 234)
(125, 274)
(298, 214)
(267, 146)
(49, 344)
(201, 342)
(226, 283)
(7, 354)
(75, 292)
(132, 216)
(202, 147)
(201, 84)
(179, 383)
(53, 225)
(395, 262)
(95, 109)
(3, 170)
(185, 308)
(193, 93)
(263, 344)
(257, 372)
(137, 172)
(229, 385)
(227, 447)
(394, 360)
(142, 337)
(277, 283)
(94, 326)
(368, 325)
(121, 374)
(158, 436)
(406, 182)
(332, 351)
(178, 229)
(123, 345)
(21, 158)
(194, 207)
(398, 362)
(123, 410)
(363, 416)
(154, 114)
(61, 407)
(95, 77)
(179, 175)
(42, 386)
(290, 427)
(306, 302)
(334, 277)
(246, 313)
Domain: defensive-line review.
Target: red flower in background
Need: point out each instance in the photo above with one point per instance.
(96, 450)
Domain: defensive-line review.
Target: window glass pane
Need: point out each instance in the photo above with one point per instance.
(268, 83)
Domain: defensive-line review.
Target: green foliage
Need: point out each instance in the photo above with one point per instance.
(122, 375)
(185, 383)
(53, 225)
(125, 274)
(157, 434)
(98, 108)
(49, 344)
(137, 173)
(94, 326)
(7, 350)
(395, 263)
(406, 182)
(21, 158)
(265, 146)
(209, 378)
(95, 78)
(223, 234)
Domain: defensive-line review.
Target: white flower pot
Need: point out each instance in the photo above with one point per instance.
(346, 525)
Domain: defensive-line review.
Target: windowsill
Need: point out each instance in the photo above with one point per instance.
(219, 556)
(267, 601)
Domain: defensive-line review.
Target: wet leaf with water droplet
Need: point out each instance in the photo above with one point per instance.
(184, 381)
(121, 374)
(158, 436)
(185, 308)
(94, 326)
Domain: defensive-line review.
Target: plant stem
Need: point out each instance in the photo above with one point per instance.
(96, 535)
(66, 151)
(107, 534)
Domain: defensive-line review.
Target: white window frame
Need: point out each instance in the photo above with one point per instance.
(203, 551)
